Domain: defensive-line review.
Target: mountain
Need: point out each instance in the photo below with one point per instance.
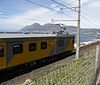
(58, 27)
(38, 27)
(35, 26)
(47, 27)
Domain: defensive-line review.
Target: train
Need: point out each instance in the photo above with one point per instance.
(24, 49)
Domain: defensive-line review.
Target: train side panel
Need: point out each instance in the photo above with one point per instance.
(69, 44)
(60, 45)
(2, 54)
(17, 51)
(28, 56)
(64, 44)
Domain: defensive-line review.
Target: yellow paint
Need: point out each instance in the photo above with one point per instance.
(3, 59)
(27, 56)
(70, 46)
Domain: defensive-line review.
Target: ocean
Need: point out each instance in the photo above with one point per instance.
(86, 37)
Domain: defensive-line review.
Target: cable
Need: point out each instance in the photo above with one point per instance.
(63, 5)
(72, 10)
(72, 2)
(47, 7)
(29, 18)
(40, 5)
(89, 21)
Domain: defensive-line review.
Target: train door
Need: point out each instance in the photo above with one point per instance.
(2, 55)
(60, 45)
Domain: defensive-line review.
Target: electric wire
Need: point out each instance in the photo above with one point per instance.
(88, 19)
(24, 17)
(48, 8)
(4, 14)
(82, 14)
(72, 2)
(63, 5)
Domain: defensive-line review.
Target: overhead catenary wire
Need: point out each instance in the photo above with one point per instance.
(82, 14)
(40, 5)
(4, 14)
(88, 20)
(63, 5)
(48, 7)
(24, 17)
(72, 2)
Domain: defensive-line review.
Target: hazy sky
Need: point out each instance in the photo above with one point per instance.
(15, 14)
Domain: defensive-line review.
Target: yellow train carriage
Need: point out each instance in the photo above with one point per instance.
(18, 49)
(32, 50)
(2, 54)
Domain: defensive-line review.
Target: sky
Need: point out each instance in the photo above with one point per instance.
(16, 14)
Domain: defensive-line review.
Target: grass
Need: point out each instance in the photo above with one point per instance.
(71, 72)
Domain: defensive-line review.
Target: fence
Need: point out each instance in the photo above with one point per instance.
(73, 72)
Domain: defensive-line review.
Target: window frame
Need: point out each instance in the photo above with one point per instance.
(18, 50)
(60, 42)
(2, 51)
(30, 44)
(44, 43)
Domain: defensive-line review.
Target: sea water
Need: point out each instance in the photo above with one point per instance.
(86, 37)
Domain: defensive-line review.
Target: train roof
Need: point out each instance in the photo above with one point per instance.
(30, 35)
(25, 35)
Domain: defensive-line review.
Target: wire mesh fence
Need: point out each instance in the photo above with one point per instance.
(73, 72)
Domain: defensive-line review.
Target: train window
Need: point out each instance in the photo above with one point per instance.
(1, 50)
(60, 42)
(17, 48)
(43, 45)
(32, 46)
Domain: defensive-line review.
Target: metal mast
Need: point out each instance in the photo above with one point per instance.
(78, 30)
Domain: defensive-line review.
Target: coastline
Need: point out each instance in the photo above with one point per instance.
(87, 42)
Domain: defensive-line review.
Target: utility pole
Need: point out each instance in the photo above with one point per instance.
(78, 30)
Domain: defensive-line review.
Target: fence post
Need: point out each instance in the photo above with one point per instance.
(97, 57)
(96, 64)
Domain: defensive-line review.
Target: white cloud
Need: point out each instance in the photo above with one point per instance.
(95, 4)
(53, 5)
(17, 22)
(73, 2)
(24, 18)
(84, 1)
(43, 15)
(40, 15)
